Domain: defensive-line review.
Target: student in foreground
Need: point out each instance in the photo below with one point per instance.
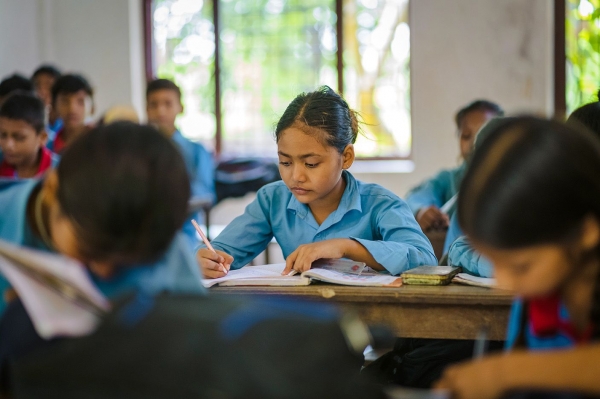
(23, 138)
(115, 203)
(426, 199)
(320, 210)
(533, 209)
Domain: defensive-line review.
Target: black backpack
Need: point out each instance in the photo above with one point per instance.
(237, 177)
(204, 347)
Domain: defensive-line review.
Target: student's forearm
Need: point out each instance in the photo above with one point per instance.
(356, 251)
(571, 369)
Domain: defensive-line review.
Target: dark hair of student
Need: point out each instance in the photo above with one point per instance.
(46, 69)
(125, 188)
(71, 84)
(533, 182)
(588, 115)
(477, 105)
(23, 106)
(322, 110)
(13, 83)
(162, 84)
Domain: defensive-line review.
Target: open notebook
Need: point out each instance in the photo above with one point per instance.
(56, 291)
(468, 279)
(339, 271)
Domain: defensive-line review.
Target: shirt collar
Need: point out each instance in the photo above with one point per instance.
(351, 200)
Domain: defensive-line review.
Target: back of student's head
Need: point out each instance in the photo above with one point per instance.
(46, 69)
(13, 83)
(25, 107)
(126, 189)
(162, 84)
(532, 182)
(71, 84)
(478, 105)
(318, 112)
(587, 115)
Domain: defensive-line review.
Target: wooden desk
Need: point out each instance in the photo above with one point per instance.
(454, 311)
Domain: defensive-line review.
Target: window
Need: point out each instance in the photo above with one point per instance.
(582, 33)
(240, 62)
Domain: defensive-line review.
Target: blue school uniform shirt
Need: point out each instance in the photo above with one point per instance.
(436, 191)
(462, 254)
(176, 271)
(367, 213)
(553, 339)
(453, 233)
(201, 170)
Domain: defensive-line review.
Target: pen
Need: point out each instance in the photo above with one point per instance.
(480, 346)
(206, 242)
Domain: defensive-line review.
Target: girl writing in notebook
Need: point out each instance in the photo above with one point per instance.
(531, 204)
(115, 202)
(320, 210)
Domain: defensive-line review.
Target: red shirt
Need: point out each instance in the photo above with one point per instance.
(7, 170)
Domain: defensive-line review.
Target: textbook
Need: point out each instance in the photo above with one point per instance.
(56, 291)
(430, 275)
(467, 279)
(335, 271)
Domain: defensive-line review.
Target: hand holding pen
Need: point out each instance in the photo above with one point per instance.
(213, 263)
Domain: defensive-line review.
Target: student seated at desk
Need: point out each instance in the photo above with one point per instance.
(23, 138)
(531, 204)
(115, 203)
(426, 199)
(163, 104)
(320, 210)
(72, 100)
(43, 79)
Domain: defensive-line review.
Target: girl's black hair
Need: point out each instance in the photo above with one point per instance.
(24, 106)
(477, 105)
(325, 110)
(532, 182)
(126, 190)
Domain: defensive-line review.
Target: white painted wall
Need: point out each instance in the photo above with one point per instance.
(460, 50)
(103, 40)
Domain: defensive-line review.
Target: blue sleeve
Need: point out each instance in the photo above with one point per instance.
(514, 324)
(431, 192)
(461, 254)
(203, 178)
(454, 231)
(402, 245)
(248, 234)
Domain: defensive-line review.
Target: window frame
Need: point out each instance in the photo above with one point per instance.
(150, 67)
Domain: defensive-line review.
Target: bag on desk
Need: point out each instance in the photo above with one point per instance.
(204, 347)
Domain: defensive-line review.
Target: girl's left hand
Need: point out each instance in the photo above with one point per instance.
(479, 379)
(303, 257)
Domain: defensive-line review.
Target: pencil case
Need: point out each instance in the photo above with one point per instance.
(430, 275)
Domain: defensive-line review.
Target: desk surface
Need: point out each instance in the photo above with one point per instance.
(453, 311)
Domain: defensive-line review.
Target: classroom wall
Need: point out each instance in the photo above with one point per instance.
(101, 39)
(460, 50)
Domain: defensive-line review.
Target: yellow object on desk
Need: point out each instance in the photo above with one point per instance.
(430, 275)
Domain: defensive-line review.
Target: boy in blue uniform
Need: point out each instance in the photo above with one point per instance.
(545, 247)
(43, 79)
(163, 104)
(115, 203)
(426, 199)
(320, 210)
(72, 99)
(23, 138)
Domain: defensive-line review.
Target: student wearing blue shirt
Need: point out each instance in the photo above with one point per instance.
(530, 202)
(43, 79)
(115, 203)
(163, 99)
(320, 210)
(426, 199)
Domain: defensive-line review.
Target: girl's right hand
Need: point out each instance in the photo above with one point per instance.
(214, 265)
